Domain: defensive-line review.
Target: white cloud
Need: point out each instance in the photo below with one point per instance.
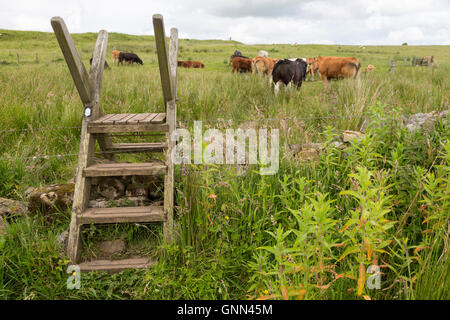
(249, 21)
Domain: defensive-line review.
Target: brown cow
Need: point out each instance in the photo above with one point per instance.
(115, 55)
(337, 68)
(313, 68)
(370, 68)
(263, 65)
(239, 64)
(191, 64)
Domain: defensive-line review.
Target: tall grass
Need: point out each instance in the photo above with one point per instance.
(308, 232)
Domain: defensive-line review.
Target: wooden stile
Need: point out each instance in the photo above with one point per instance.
(96, 127)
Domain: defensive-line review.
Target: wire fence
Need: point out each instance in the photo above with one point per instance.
(180, 123)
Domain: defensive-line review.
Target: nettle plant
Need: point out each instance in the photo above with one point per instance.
(300, 261)
(366, 232)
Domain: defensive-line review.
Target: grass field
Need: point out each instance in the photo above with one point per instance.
(308, 232)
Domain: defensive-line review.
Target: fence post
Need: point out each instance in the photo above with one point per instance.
(392, 68)
(37, 58)
(18, 60)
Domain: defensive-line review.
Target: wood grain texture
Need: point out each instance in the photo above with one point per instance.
(171, 111)
(73, 60)
(122, 215)
(125, 169)
(138, 147)
(161, 49)
(96, 76)
(116, 265)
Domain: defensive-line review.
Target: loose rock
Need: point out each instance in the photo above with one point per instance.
(9, 208)
(50, 199)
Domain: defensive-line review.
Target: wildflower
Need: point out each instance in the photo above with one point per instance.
(266, 291)
(227, 217)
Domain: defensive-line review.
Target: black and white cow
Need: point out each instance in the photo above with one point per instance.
(287, 71)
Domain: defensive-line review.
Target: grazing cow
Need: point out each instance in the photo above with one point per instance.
(370, 68)
(237, 53)
(263, 53)
(191, 64)
(313, 67)
(115, 56)
(239, 64)
(287, 72)
(263, 65)
(425, 61)
(129, 57)
(106, 63)
(337, 68)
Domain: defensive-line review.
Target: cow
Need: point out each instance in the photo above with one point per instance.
(115, 56)
(263, 65)
(240, 64)
(191, 64)
(129, 57)
(425, 61)
(106, 63)
(237, 53)
(287, 72)
(370, 68)
(263, 53)
(337, 68)
(313, 68)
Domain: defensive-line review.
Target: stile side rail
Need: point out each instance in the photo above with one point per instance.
(161, 49)
(73, 60)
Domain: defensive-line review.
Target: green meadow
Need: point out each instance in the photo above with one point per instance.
(312, 231)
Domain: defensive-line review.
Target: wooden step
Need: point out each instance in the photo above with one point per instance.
(116, 265)
(129, 122)
(138, 147)
(122, 215)
(125, 169)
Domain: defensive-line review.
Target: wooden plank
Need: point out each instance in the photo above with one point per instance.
(95, 76)
(132, 127)
(123, 215)
(73, 60)
(171, 111)
(125, 120)
(81, 192)
(160, 118)
(125, 169)
(139, 147)
(139, 117)
(160, 39)
(115, 118)
(150, 117)
(111, 266)
(105, 117)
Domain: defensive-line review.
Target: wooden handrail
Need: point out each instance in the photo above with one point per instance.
(161, 49)
(73, 60)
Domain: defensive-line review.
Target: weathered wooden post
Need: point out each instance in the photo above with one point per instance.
(392, 68)
(168, 73)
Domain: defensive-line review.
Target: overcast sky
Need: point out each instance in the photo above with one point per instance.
(250, 21)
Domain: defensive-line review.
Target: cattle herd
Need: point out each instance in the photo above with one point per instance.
(282, 71)
(294, 71)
